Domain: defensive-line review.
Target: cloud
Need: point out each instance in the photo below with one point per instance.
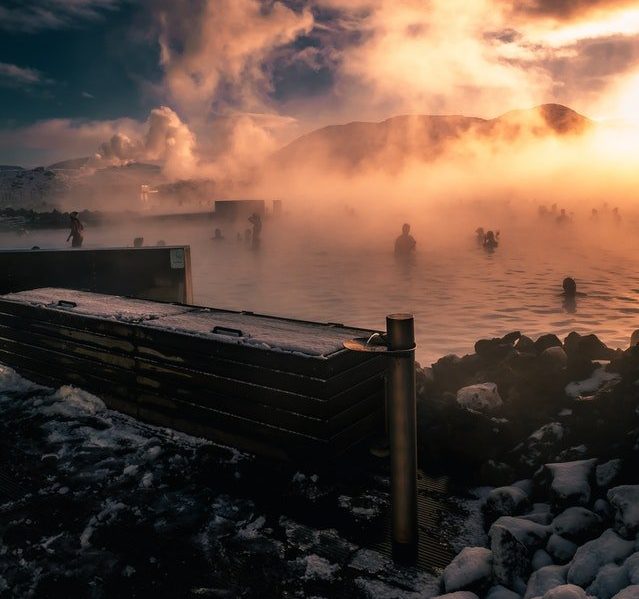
(12, 75)
(565, 9)
(37, 15)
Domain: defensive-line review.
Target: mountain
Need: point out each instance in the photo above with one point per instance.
(388, 144)
(10, 167)
(71, 164)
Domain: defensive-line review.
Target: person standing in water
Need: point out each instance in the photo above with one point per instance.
(405, 243)
(256, 221)
(76, 231)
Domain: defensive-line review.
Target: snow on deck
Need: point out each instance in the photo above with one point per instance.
(310, 339)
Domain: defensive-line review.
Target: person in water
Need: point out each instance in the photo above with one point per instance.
(570, 295)
(491, 241)
(218, 235)
(480, 235)
(76, 231)
(405, 243)
(138, 242)
(563, 218)
(256, 221)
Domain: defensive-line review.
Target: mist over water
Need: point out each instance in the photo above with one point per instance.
(341, 268)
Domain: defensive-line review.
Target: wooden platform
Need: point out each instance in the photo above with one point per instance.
(277, 387)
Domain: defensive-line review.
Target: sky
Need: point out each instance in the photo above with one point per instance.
(221, 83)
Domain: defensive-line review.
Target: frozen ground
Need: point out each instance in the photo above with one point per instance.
(95, 504)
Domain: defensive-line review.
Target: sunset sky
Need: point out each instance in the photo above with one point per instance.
(179, 79)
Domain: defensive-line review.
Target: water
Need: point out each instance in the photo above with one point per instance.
(456, 291)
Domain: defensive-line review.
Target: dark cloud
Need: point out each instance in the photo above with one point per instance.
(12, 75)
(565, 9)
(38, 15)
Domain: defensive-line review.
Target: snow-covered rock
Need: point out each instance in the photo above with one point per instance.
(513, 542)
(505, 501)
(545, 579)
(458, 595)
(562, 550)
(609, 548)
(610, 579)
(625, 504)
(577, 524)
(568, 483)
(482, 397)
(592, 384)
(543, 444)
(471, 569)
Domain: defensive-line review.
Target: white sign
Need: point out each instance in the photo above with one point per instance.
(177, 258)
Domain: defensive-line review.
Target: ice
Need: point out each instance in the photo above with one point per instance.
(472, 567)
(482, 397)
(625, 504)
(592, 384)
(592, 556)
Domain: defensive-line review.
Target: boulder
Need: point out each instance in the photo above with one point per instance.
(553, 359)
(608, 474)
(470, 570)
(631, 592)
(610, 579)
(545, 579)
(634, 338)
(505, 501)
(541, 559)
(562, 550)
(567, 591)
(588, 347)
(482, 397)
(513, 542)
(501, 592)
(577, 524)
(624, 501)
(546, 341)
(543, 445)
(493, 349)
(567, 483)
(525, 345)
(631, 567)
(511, 338)
(458, 595)
(609, 548)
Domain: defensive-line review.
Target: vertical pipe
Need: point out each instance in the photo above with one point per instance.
(402, 428)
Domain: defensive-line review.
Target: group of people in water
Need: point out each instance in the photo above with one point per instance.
(252, 237)
(561, 217)
(488, 240)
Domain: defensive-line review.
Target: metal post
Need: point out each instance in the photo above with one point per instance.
(402, 428)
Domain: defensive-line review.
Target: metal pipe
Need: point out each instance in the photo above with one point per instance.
(402, 428)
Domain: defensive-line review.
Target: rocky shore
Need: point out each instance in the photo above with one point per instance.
(553, 427)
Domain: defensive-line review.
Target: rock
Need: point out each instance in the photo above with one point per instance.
(631, 592)
(609, 581)
(588, 347)
(500, 592)
(525, 345)
(505, 501)
(607, 474)
(553, 359)
(496, 474)
(567, 591)
(470, 570)
(598, 379)
(513, 542)
(577, 524)
(546, 341)
(493, 349)
(631, 566)
(482, 397)
(562, 550)
(624, 501)
(541, 559)
(449, 372)
(511, 337)
(458, 595)
(542, 445)
(545, 579)
(609, 548)
(568, 483)
(634, 338)
(602, 508)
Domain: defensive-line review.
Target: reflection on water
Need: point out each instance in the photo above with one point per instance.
(457, 292)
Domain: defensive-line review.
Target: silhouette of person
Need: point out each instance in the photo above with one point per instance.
(570, 295)
(594, 214)
(76, 231)
(480, 235)
(218, 235)
(491, 241)
(256, 221)
(138, 242)
(563, 218)
(405, 243)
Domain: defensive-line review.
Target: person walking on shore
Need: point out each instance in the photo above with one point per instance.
(76, 231)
